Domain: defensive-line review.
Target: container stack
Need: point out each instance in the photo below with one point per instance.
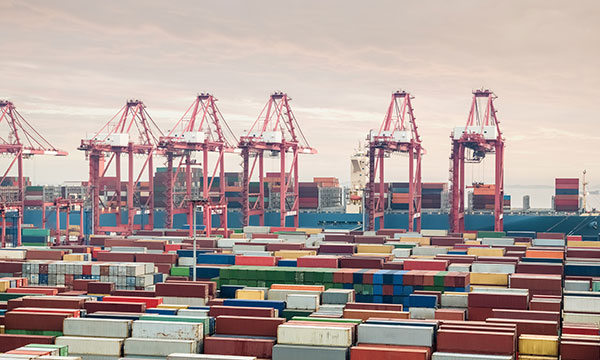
(434, 195)
(309, 195)
(566, 196)
(484, 197)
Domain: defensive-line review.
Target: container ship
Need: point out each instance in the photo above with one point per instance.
(194, 262)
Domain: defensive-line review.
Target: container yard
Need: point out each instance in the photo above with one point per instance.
(288, 293)
(163, 197)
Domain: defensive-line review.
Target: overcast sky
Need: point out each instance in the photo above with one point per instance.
(70, 65)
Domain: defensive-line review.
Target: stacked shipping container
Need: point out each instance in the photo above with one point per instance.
(566, 197)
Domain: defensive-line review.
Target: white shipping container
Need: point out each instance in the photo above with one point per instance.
(498, 241)
(172, 300)
(433, 232)
(167, 330)
(110, 328)
(395, 335)
(422, 313)
(302, 302)
(577, 285)
(314, 335)
(455, 301)
(581, 318)
(281, 294)
(401, 253)
(581, 304)
(91, 345)
(13, 254)
(159, 347)
(502, 268)
(50, 357)
(429, 250)
(192, 313)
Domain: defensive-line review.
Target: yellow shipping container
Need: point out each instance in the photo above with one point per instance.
(486, 251)
(1, 329)
(237, 236)
(418, 240)
(489, 279)
(536, 357)
(310, 231)
(73, 257)
(385, 256)
(294, 254)
(527, 244)
(472, 242)
(4, 285)
(172, 306)
(583, 243)
(470, 236)
(374, 248)
(249, 294)
(538, 345)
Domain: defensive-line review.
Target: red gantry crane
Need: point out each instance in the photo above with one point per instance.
(21, 142)
(131, 132)
(397, 133)
(276, 130)
(201, 128)
(480, 136)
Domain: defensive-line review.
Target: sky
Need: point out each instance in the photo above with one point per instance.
(69, 66)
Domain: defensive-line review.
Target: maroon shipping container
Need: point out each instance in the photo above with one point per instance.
(116, 257)
(10, 342)
(52, 302)
(114, 306)
(361, 262)
(526, 326)
(247, 326)
(365, 239)
(157, 258)
(540, 268)
(101, 287)
(318, 261)
(219, 310)
(260, 348)
(284, 246)
(479, 342)
(337, 248)
(374, 306)
(339, 237)
(212, 286)
(446, 240)
(498, 301)
(34, 321)
(45, 254)
(527, 314)
(182, 289)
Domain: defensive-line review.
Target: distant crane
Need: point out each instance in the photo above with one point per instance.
(130, 132)
(21, 141)
(481, 136)
(397, 133)
(201, 128)
(276, 130)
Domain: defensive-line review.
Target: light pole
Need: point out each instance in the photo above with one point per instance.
(194, 202)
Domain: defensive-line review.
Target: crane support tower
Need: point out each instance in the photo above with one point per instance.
(131, 133)
(202, 128)
(470, 144)
(20, 141)
(397, 133)
(277, 132)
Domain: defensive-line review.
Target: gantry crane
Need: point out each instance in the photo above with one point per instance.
(201, 128)
(397, 133)
(276, 131)
(21, 142)
(130, 132)
(480, 136)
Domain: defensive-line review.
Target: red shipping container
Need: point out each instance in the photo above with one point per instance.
(150, 302)
(337, 249)
(388, 352)
(374, 306)
(212, 286)
(260, 348)
(44, 254)
(71, 312)
(362, 262)
(28, 290)
(247, 326)
(116, 257)
(98, 287)
(138, 293)
(256, 260)
(318, 261)
(499, 300)
(527, 314)
(418, 264)
(578, 350)
(364, 239)
(339, 237)
(157, 258)
(479, 342)
(450, 314)
(219, 310)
